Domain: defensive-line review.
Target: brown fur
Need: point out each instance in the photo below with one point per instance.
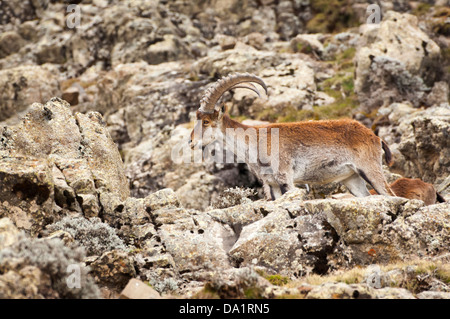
(415, 189)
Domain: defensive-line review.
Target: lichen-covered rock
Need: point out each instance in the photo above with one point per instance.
(54, 161)
(102, 155)
(26, 192)
(134, 73)
(234, 283)
(365, 224)
(320, 235)
(356, 291)
(424, 232)
(354, 221)
(9, 233)
(44, 268)
(21, 86)
(113, 269)
(96, 237)
(204, 246)
(396, 62)
(419, 141)
(136, 211)
(271, 242)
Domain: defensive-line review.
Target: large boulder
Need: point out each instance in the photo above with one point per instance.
(21, 86)
(396, 61)
(290, 237)
(42, 268)
(419, 141)
(321, 235)
(27, 192)
(55, 161)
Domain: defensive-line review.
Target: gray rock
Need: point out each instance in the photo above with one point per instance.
(433, 295)
(21, 86)
(26, 193)
(136, 289)
(204, 246)
(419, 141)
(356, 291)
(53, 160)
(9, 234)
(44, 268)
(113, 269)
(289, 79)
(421, 233)
(269, 242)
(381, 77)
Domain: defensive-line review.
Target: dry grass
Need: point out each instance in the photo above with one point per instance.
(436, 269)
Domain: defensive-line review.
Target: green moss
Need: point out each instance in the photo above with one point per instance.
(277, 280)
(252, 293)
(239, 118)
(207, 293)
(341, 108)
(304, 48)
(346, 54)
(421, 9)
(194, 78)
(331, 16)
(341, 83)
(318, 24)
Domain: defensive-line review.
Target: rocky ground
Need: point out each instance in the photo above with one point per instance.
(93, 206)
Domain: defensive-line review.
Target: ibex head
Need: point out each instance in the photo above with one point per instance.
(209, 115)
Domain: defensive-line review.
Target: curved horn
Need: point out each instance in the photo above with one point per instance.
(237, 80)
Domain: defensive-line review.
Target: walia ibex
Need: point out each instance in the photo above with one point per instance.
(310, 152)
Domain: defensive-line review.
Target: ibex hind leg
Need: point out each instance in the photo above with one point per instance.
(271, 192)
(268, 192)
(276, 191)
(377, 180)
(356, 185)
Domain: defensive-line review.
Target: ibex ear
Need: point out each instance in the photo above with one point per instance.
(222, 111)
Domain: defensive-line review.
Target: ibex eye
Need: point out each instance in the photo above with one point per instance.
(205, 122)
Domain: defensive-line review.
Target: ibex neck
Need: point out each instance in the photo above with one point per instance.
(227, 122)
(238, 137)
